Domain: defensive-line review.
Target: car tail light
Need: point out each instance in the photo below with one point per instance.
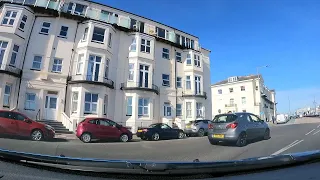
(210, 126)
(144, 130)
(232, 126)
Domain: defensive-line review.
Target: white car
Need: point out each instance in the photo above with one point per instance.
(281, 118)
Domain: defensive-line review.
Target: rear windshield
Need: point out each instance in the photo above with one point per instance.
(153, 125)
(224, 118)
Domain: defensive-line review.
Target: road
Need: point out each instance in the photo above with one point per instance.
(284, 139)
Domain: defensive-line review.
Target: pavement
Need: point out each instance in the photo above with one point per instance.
(287, 138)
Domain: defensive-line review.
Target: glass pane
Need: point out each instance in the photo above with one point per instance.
(87, 97)
(140, 102)
(146, 110)
(53, 103)
(87, 107)
(146, 102)
(94, 97)
(140, 110)
(94, 107)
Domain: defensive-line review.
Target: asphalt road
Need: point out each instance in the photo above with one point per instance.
(302, 137)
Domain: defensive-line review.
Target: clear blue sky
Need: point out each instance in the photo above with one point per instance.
(245, 34)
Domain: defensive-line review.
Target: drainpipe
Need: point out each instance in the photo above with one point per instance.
(175, 80)
(24, 57)
(69, 72)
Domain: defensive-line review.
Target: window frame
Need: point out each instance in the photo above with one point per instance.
(165, 80)
(188, 111)
(178, 57)
(57, 65)
(166, 107)
(105, 104)
(24, 22)
(45, 28)
(177, 82)
(3, 50)
(129, 105)
(145, 46)
(189, 59)
(165, 55)
(33, 62)
(143, 106)
(188, 81)
(7, 104)
(30, 101)
(110, 40)
(80, 64)
(9, 18)
(99, 35)
(131, 72)
(14, 55)
(74, 101)
(106, 68)
(242, 88)
(85, 34)
(66, 32)
(91, 103)
(179, 109)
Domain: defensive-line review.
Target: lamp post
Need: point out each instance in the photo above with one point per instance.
(259, 67)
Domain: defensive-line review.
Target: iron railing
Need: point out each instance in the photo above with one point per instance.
(137, 86)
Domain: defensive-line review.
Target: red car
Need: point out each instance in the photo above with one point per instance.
(102, 128)
(16, 124)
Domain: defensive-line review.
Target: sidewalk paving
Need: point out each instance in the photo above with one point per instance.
(66, 136)
(304, 120)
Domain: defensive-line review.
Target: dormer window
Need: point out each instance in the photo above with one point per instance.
(233, 79)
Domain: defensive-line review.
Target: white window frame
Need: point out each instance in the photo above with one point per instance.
(231, 90)
(242, 88)
(199, 109)
(178, 57)
(3, 48)
(11, 18)
(85, 34)
(7, 95)
(145, 45)
(80, 64)
(36, 62)
(106, 69)
(179, 82)
(231, 101)
(55, 67)
(133, 46)
(105, 105)
(188, 111)
(166, 80)
(93, 33)
(188, 60)
(131, 72)
(179, 110)
(165, 55)
(14, 55)
(129, 105)
(27, 101)
(23, 21)
(243, 100)
(91, 104)
(219, 91)
(188, 82)
(143, 106)
(63, 36)
(110, 40)
(45, 28)
(167, 110)
(74, 102)
(197, 60)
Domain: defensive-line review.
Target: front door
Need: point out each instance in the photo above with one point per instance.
(50, 107)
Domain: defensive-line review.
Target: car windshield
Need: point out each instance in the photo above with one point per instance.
(153, 125)
(225, 118)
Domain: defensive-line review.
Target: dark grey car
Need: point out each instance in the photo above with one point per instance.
(237, 128)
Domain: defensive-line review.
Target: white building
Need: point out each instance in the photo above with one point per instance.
(243, 94)
(66, 60)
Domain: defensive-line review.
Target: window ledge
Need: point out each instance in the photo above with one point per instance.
(35, 69)
(21, 29)
(44, 33)
(29, 109)
(64, 37)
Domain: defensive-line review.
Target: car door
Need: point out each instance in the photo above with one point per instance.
(109, 131)
(168, 131)
(114, 132)
(8, 124)
(257, 125)
(249, 125)
(23, 128)
(93, 127)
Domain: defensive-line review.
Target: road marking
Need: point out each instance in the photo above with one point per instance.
(318, 126)
(287, 147)
(316, 132)
(310, 131)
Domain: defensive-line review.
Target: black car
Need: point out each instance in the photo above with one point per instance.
(159, 131)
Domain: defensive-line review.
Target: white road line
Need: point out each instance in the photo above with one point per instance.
(310, 131)
(316, 132)
(318, 126)
(287, 147)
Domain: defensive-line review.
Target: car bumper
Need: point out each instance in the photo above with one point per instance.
(49, 134)
(226, 137)
(191, 131)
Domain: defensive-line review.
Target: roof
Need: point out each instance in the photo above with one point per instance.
(240, 78)
(139, 16)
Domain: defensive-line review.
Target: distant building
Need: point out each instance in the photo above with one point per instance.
(243, 94)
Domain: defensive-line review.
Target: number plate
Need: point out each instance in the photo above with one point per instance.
(188, 126)
(139, 130)
(218, 135)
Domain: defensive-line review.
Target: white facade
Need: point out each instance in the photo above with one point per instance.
(74, 67)
(243, 94)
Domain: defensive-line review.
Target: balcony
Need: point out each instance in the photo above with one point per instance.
(194, 94)
(89, 79)
(139, 86)
(122, 22)
(230, 105)
(10, 70)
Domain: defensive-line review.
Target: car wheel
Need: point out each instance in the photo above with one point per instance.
(201, 133)
(86, 137)
(212, 142)
(181, 135)
(36, 135)
(266, 134)
(124, 138)
(155, 137)
(242, 140)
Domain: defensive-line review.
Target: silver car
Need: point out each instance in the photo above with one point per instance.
(197, 127)
(237, 128)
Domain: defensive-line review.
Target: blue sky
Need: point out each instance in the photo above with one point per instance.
(246, 34)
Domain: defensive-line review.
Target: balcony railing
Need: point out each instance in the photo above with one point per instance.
(230, 105)
(194, 94)
(10, 70)
(139, 86)
(91, 79)
(97, 14)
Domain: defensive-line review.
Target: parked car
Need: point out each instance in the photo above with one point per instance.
(237, 128)
(102, 129)
(159, 131)
(281, 118)
(197, 127)
(17, 124)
